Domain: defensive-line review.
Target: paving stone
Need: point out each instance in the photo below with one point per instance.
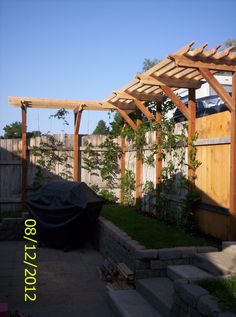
(161, 264)
(140, 274)
(208, 306)
(169, 253)
(190, 293)
(146, 254)
(187, 251)
(229, 246)
(142, 264)
(183, 308)
(129, 303)
(189, 272)
(158, 292)
(206, 249)
(216, 263)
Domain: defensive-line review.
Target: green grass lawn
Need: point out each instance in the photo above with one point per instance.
(148, 231)
(10, 214)
(225, 290)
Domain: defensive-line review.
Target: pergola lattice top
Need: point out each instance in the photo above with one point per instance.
(185, 68)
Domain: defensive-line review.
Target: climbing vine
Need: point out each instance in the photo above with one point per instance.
(172, 149)
(103, 163)
(91, 159)
(109, 167)
(127, 187)
(48, 158)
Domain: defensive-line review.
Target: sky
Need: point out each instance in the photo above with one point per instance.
(72, 49)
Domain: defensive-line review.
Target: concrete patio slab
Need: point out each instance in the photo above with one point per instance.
(67, 284)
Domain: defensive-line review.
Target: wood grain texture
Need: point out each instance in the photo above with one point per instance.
(214, 174)
(214, 126)
(77, 120)
(24, 158)
(215, 224)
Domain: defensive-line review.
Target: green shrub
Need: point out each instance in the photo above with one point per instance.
(108, 196)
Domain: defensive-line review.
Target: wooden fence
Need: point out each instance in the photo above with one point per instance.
(213, 147)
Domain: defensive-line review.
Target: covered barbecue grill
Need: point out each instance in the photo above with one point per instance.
(66, 212)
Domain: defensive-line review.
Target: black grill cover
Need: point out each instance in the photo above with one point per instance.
(65, 211)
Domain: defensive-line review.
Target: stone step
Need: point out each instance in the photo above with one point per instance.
(229, 246)
(158, 292)
(129, 303)
(189, 272)
(217, 263)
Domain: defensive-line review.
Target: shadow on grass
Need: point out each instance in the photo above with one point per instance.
(225, 290)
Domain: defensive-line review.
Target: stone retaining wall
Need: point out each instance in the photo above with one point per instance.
(12, 228)
(119, 246)
(193, 300)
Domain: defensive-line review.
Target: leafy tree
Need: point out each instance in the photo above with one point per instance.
(116, 125)
(101, 128)
(33, 134)
(14, 131)
(149, 63)
(231, 42)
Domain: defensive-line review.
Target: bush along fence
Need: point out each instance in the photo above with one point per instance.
(109, 164)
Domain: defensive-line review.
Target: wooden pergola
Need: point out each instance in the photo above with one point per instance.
(187, 68)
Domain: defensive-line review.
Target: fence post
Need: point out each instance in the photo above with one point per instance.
(23, 156)
(232, 195)
(158, 155)
(138, 164)
(77, 119)
(122, 167)
(191, 131)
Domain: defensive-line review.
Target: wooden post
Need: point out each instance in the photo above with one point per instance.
(232, 195)
(23, 158)
(77, 120)
(158, 155)
(138, 165)
(122, 168)
(191, 131)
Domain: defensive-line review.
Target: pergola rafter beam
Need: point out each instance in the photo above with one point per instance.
(125, 116)
(127, 119)
(138, 103)
(220, 90)
(176, 101)
(144, 110)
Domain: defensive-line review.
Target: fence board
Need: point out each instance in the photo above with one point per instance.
(214, 126)
(212, 176)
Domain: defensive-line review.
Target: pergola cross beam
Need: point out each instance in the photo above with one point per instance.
(184, 61)
(170, 82)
